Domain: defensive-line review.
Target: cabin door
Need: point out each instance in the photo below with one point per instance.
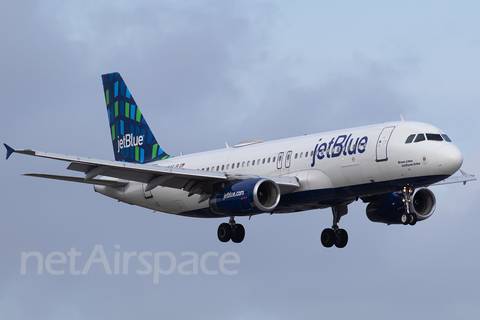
(382, 143)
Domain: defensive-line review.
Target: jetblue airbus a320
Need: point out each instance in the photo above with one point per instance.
(386, 165)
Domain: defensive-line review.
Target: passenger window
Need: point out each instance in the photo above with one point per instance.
(263, 161)
(243, 164)
(268, 161)
(296, 155)
(208, 169)
(248, 163)
(233, 165)
(258, 161)
(410, 138)
(238, 164)
(446, 138)
(301, 154)
(273, 160)
(434, 137)
(420, 137)
(223, 167)
(228, 166)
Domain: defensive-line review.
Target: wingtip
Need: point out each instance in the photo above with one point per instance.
(10, 150)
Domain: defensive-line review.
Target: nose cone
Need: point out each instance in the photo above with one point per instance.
(449, 159)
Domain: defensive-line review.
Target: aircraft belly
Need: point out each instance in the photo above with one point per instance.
(176, 201)
(163, 199)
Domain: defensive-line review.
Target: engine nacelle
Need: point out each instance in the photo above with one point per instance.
(389, 208)
(246, 198)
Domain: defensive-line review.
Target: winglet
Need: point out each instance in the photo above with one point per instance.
(10, 150)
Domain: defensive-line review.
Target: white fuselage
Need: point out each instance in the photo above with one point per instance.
(332, 167)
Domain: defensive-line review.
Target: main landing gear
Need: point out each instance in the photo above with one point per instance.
(231, 231)
(335, 235)
(407, 217)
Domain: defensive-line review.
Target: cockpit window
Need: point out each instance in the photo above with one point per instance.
(434, 137)
(410, 138)
(446, 137)
(420, 137)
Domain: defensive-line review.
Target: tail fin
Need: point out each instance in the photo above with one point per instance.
(132, 139)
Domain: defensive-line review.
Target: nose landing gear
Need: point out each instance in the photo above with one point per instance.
(407, 217)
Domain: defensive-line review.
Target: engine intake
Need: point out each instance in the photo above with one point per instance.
(246, 198)
(390, 207)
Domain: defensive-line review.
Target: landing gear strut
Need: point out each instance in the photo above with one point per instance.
(231, 231)
(335, 235)
(407, 217)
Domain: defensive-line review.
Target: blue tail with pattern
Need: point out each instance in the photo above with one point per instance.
(132, 139)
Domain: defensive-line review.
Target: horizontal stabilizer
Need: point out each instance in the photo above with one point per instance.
(102, 182)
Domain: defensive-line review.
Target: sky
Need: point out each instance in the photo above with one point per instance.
(209, 72)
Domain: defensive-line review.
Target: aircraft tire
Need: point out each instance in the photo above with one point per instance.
(412, 219)
(224, 232)
(238, 234)
(341, 238)
(328, 238)
(405, 219)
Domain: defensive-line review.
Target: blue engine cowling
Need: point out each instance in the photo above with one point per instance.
(246, 198)
(389, 208)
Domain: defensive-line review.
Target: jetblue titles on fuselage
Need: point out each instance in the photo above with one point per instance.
(342, 144)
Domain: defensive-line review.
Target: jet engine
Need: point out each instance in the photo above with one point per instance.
(246, 198)
(390, 207)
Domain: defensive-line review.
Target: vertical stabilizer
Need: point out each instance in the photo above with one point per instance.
(132, 139)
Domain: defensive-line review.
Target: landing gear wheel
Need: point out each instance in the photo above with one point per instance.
(328, 238)
(412, 219)
(224, 232)
(405, 219)
(238, 233)
(341, 238)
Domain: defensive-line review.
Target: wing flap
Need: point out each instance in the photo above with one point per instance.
(103, 182)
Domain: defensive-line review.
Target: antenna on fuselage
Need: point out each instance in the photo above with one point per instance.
(401, 117)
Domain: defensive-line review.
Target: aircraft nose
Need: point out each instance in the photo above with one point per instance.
(449, 159)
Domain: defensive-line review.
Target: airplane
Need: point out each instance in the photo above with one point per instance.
(387, 165)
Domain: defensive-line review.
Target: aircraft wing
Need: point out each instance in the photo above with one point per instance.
(464, 178)
(153, 175)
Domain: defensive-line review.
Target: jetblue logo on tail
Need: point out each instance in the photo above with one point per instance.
(132, 139)
(129, 140)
